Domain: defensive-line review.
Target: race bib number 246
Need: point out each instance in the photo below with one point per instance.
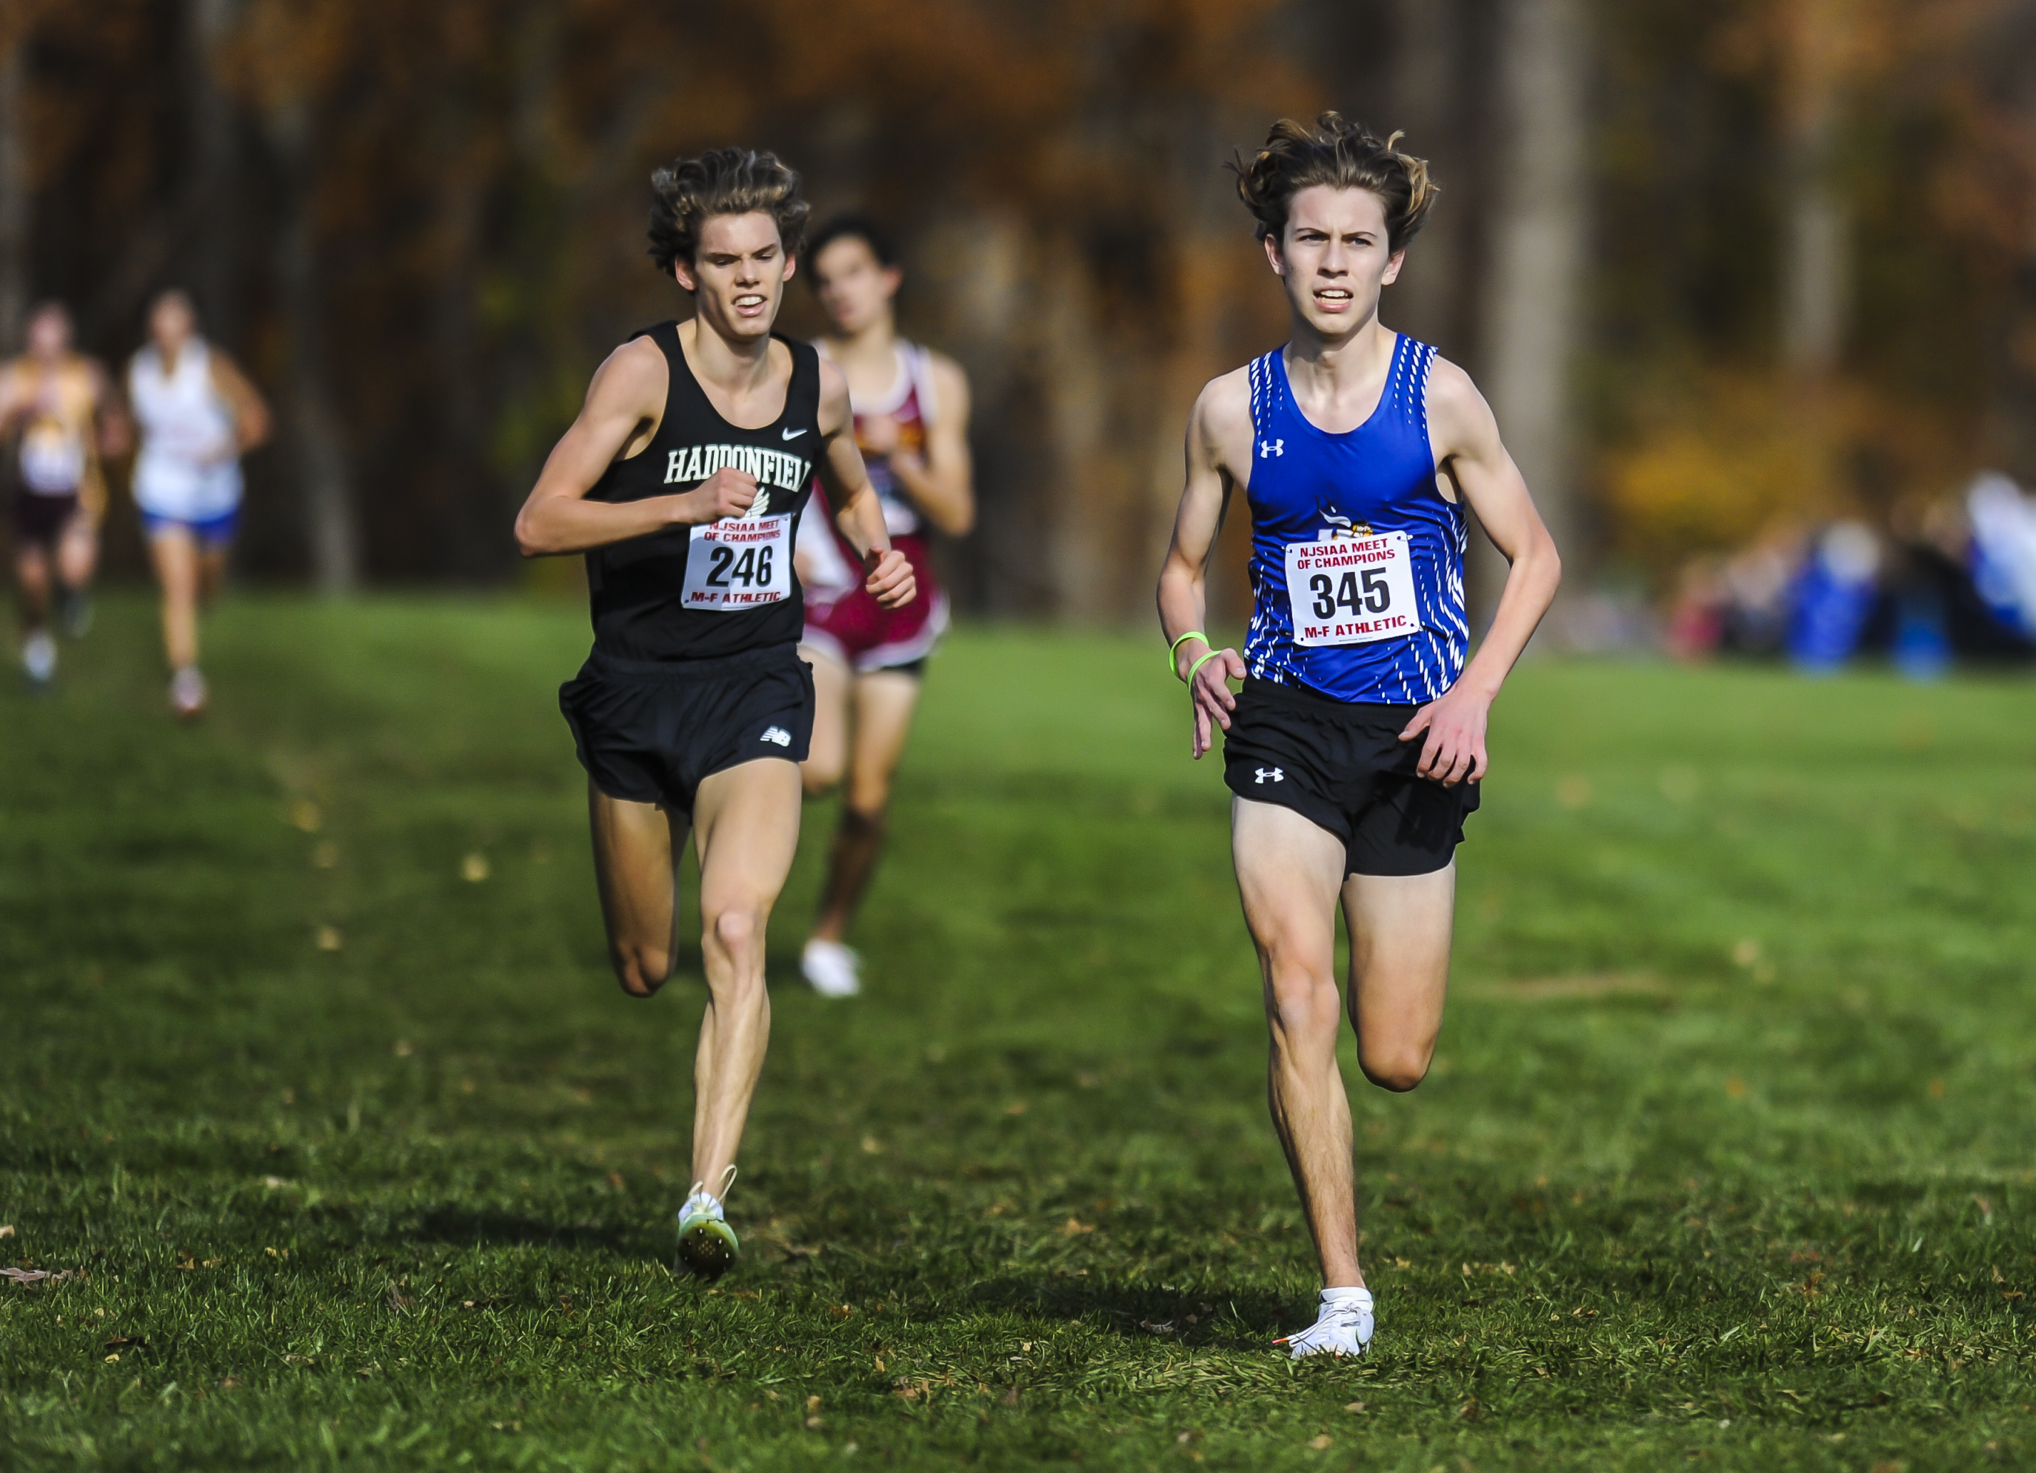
(1351, 591)
(739, 563)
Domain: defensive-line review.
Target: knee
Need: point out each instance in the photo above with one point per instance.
(869, 794)
(1301, 1003)
(641, 970)
(736, 932)
(820, 775)
(1398, 1068)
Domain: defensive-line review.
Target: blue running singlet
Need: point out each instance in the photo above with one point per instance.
(1356, 557)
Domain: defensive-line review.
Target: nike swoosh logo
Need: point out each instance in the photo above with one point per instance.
(793, 434)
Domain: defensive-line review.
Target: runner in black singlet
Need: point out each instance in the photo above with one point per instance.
(683, 480)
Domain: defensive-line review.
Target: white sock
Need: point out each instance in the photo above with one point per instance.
(1348, 1294)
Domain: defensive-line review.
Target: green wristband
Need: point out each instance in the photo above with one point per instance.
(1173, 651)
(1200, 663)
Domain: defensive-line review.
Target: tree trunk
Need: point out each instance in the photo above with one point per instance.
(1817, 249)
(331, 518)
(15, 200)
(215, 160)
(1425, 103)
(1533, 303)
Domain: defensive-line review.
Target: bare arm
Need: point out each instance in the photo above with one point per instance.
(1468, 448)
(250, 411)
(116, 426)
(1219, 437)
(942, 483)
(625, 404)
(17, 400)
(857, 511)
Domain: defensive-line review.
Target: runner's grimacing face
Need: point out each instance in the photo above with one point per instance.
(49, 334)
(1332, 257)
(854, 287)
(738, 274)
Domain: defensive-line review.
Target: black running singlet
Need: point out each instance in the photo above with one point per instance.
(702, 593)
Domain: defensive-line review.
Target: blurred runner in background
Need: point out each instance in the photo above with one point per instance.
(911, 424)
(1355, 749)
(199, 415)
(65, 409)
(683, 481)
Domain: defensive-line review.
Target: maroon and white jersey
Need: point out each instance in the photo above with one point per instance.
(909, 401)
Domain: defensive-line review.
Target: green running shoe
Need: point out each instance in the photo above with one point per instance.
(707, 1244)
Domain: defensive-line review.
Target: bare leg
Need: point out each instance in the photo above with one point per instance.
(748, 831)
(1400, 927)
(634, 845)
(1289, 873)
(884, 703)
(827, 754)
(175, 555)
(32, 572)
(211, 573)
(77, 553)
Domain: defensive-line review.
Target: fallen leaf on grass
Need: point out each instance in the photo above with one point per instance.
(399, 1303)
(474, 868)
(7, 1230)
(327, 938)
(229, 1383)
(1356, 1406)
(305, 815)
(33, 1275)
(1075, 1228)
(1321, 1444)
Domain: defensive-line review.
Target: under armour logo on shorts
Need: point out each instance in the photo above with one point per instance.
(1275, 774)
(776, 735)
(1269, 448)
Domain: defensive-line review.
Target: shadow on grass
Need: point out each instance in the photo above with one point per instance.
(467, 1228)
(1210, 1318)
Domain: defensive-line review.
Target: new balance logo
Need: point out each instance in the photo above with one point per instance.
(1274, 773)
(793, 434)
(777, 736)
(1267, 449)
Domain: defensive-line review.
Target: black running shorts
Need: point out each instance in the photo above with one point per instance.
(40, 520)
(1344, 768)
(652, 731)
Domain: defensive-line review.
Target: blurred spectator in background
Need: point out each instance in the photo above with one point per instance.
(199, 415)
(1953, 578)
(67, 415)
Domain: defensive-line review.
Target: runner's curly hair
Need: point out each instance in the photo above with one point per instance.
(1342, 155)
(687, 193)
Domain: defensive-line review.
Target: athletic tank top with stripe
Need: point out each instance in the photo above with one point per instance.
(702, 593)
(1377, 481)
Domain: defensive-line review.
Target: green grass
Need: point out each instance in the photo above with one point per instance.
(1726, 1158)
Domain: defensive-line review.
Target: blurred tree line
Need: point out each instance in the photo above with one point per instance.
(1714, 263)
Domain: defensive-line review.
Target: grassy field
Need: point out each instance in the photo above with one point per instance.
(313, 1079)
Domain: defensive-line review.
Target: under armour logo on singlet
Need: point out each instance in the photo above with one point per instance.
(1269, 448)
(1275, 774)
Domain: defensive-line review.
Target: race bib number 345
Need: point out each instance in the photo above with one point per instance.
(1353, 591)
(739, 563)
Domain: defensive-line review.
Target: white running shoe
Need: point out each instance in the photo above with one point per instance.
(39, 657)
(1342, 1327)
(187, 693)
(707, 1244)
(833, 969)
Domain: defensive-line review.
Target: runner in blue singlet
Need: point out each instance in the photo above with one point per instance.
(1355, 749)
